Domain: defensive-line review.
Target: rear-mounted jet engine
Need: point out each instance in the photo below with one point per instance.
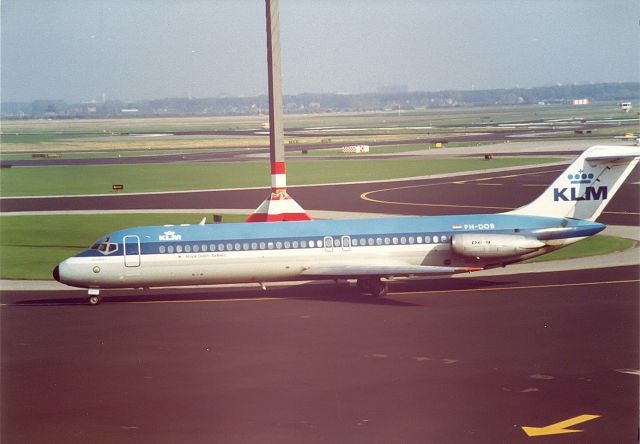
(481, 246)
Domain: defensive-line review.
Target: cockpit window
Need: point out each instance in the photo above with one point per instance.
(104, 246)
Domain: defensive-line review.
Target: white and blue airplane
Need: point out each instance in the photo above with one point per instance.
(372, 251)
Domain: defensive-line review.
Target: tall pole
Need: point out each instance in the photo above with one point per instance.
(279, 206)
(276, 125)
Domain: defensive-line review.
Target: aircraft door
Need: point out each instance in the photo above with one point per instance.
(131, 251)
(328, 244)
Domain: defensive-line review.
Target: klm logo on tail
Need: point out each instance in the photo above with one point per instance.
(571, 194)
(590, 193)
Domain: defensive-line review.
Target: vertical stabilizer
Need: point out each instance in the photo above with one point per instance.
(585, 188)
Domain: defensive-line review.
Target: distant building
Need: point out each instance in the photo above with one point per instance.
(625, 107)
(580, 102)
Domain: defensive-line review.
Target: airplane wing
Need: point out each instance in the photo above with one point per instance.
(399, 270)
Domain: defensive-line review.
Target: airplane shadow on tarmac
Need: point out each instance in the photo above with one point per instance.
(342, 292)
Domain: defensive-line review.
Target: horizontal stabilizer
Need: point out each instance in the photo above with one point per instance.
(355, 271)
(606, 154)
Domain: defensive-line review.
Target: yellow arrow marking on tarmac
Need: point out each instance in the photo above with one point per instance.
(559, 427)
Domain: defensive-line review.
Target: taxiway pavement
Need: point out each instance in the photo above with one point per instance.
(448, 361)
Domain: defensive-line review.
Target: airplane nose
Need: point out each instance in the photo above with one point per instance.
(56, 273)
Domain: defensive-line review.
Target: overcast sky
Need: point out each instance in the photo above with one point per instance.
(78, 50)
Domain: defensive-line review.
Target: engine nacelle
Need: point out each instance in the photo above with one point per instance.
(493, 245)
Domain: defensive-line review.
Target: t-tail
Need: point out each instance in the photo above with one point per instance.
(585, 188)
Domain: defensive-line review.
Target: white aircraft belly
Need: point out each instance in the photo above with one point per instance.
(258, 266)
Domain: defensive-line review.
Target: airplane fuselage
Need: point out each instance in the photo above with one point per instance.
(237, 253)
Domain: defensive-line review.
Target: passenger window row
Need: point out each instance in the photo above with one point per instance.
(355, 241)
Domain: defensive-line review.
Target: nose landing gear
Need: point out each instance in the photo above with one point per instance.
(94, 296)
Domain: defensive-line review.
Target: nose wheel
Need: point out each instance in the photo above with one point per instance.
(94, 296)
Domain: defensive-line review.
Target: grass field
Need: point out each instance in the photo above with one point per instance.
(96, 179)
(110, 154)
(592, 246)
(27, 251)
(71, 147)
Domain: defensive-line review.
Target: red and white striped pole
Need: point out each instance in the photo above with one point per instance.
(279, 206)
(278, 176)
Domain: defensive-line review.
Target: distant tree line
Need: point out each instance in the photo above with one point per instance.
(314, 103)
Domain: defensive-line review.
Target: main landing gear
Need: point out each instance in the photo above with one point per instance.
(375, 287)
(94, 296)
